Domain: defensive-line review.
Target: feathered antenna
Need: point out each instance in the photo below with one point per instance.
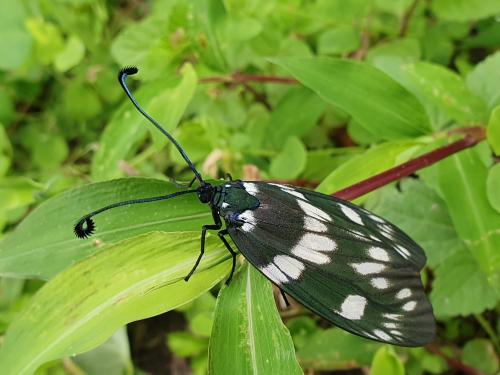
(86, 226)
(122, 76)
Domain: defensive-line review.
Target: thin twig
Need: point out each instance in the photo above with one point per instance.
(405, 21)
(472, 137)
(259, 98)
(453, 363)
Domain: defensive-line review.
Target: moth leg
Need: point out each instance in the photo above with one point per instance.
(229, 177)
(191, 182)
(217, 225)
(284, 298)
(221, 235)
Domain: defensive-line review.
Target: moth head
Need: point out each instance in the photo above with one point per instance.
(205, 192)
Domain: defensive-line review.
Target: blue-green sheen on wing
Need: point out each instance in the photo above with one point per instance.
(342, 262)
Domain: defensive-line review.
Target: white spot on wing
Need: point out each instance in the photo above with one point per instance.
(380, 283)
(314, 225)
(396, 333)
(390, 325)
(293, 192)
(378, 253)
(368, 268)
(225, 205)
(386, 231)
(353, 307)
(289, 266)
(313, 211)
(351, 214)
(249, 220)
(381, 334)
(274, 273)
(403, 293)
(311, 247)
(405, 253)
(376, 218)
(410, 306)
(393, 316)
(247, 227)
(250, 188)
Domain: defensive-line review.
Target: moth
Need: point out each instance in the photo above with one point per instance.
(344, 263)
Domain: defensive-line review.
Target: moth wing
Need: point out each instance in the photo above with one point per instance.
(338, 264)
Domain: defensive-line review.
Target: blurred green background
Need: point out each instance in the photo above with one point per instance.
(211, 72)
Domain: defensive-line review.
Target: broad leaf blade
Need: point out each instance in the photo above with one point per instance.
(372, 98)
(493, 132)
(418, 210)
(82, 306)
(44, 243)
(462, 182)
(248, 336)
(461, 287)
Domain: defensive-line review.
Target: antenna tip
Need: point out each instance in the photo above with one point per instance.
(127, 71)
(84, 228)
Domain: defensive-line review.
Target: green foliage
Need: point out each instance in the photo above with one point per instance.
(243, 315)
(379, 83)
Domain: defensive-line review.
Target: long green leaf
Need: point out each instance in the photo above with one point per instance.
(371, 162)
(462, 182)
(248, 336)
(44, 243)
(82, 306)
(373, 99)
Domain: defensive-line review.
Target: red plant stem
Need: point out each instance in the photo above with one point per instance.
(242, 78)
(472, 137)
(453, 363)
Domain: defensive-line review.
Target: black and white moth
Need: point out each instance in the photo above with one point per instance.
(346, 264)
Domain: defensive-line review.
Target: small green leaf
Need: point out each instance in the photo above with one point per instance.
(291, 160)
(44, 243)
(248, 336)
(15, 41)
(71, 55)
(85, 304)
(111, 357)
(375, 160)
(184, 344)
(460, 287)
(480, 354)
(136, 41)
(493, 131)
(281, 124)
(465, 10)
(484, 80)
(372, 98)
(493, 186)
(338, 40)
(386, 362)
(48, 39)
(17, 192)
(335, 349)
